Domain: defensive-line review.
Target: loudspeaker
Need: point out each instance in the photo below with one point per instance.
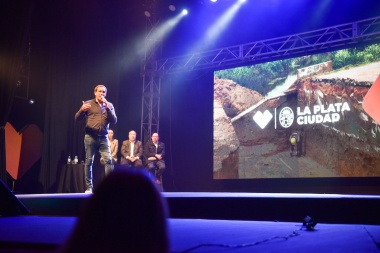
(10, 205)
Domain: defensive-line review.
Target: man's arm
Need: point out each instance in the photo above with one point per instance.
(111, 113)
(148, 153)
(162, 149)
(114, 152)
(86, 105)
(125, 149)
(139, 149)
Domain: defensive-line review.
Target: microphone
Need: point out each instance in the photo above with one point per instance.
(104, 101)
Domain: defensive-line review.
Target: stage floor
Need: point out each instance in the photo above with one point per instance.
(285, 207)
(47, 234)
(217, 222)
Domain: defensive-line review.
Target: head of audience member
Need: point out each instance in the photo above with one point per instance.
(110, 134)
(126, 213)
(155, 138)
(132, 136)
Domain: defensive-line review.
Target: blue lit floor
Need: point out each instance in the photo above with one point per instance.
(47, 234)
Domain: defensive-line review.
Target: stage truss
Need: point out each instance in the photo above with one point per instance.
(331, 38)
(328, 39)
(151, 78)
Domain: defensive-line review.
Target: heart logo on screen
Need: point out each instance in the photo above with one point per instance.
(262, 119)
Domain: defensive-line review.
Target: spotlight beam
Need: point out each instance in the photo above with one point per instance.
(165, 28)
(219, 26)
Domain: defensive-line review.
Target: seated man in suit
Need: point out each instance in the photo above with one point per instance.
(131, 151)
(154, 153)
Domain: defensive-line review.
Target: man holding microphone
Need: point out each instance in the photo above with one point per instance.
(99, 113)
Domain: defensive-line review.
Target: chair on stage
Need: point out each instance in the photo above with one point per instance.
(154, 175)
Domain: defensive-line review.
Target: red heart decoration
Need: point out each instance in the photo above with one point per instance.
(22, 150)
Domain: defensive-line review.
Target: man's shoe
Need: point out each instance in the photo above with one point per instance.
(89, 190)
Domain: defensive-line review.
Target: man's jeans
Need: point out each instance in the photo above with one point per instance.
(91, 145)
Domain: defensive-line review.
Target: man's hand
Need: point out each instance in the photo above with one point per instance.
(158, 156)
(132, 158)
(105, 102)
(85, 106)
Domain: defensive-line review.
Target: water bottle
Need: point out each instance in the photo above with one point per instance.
(69, 160)
(76, 160)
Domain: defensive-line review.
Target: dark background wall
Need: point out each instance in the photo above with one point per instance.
(75, 45)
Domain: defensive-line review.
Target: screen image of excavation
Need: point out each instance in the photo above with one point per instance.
(301, 117)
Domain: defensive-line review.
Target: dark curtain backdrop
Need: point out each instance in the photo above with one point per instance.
(75, 46)
(14, 30)
(81, 55)
(186, 124)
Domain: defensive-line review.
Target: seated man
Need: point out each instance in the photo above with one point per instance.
(131, 151)
(154, 153)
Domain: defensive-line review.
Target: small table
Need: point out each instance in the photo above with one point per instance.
(71, 179)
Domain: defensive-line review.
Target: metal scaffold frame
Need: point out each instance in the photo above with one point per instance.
(322, 40)
(151, 78)
(335, 37)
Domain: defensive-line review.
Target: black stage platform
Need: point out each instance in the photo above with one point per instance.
(326, 208)
(217, 222)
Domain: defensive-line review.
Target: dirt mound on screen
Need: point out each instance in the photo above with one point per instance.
(350, 146)
(233, 97)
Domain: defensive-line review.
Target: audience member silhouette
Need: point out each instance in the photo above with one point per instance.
(125, 214)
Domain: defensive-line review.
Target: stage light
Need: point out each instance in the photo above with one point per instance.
(184, 12)
(165, 28)
(147, 14)
(213, 1)
(172, 7)
(158, 30)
